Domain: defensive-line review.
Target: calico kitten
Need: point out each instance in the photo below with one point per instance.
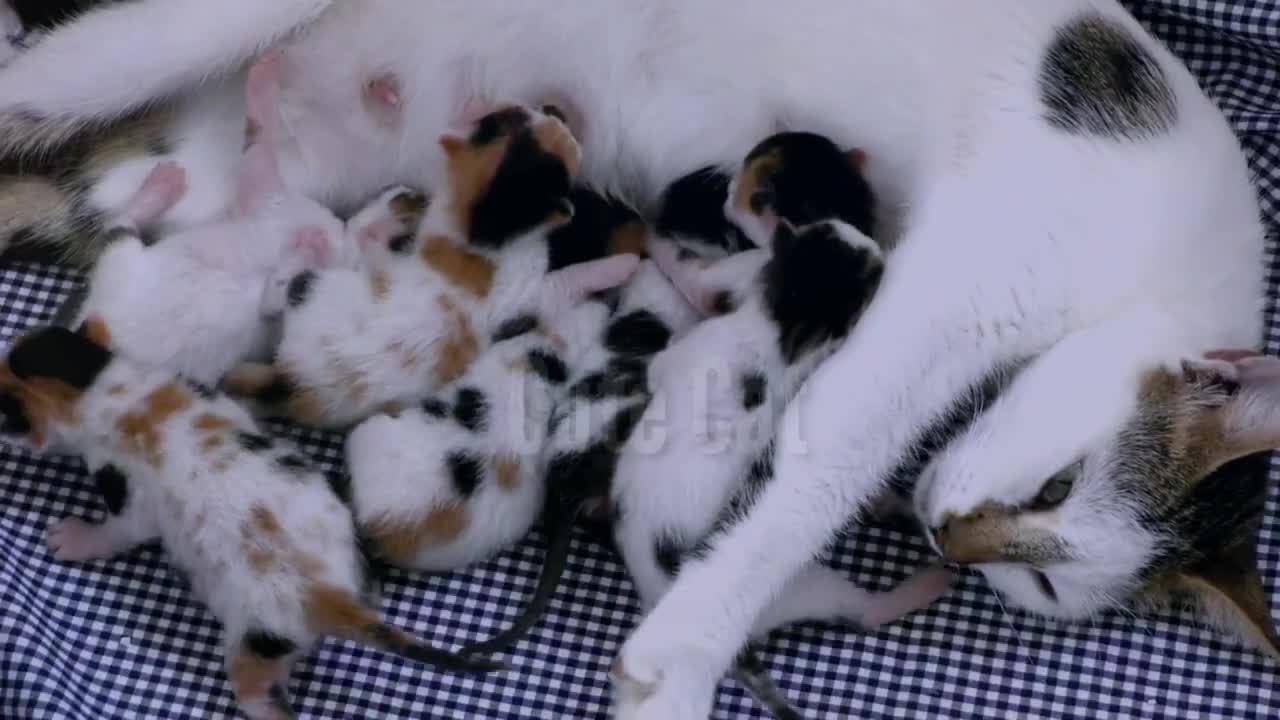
(354, 341)
(268, 545)
(456, 479)
(196, 303)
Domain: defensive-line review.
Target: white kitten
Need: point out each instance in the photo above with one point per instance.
(197, 302)
(267, 544)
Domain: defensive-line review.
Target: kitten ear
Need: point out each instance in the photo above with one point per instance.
(1229, 591)
(572, 284)
(259, 177)
(784, 237)
(1247, 419)
(452, 144)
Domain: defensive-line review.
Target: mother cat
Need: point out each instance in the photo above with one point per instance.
(1075, 226)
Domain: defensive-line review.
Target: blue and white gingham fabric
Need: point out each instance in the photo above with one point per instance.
(124, 639)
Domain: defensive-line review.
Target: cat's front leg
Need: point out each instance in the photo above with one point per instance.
(831, 459)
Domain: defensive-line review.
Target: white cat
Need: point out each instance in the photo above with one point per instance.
(1069, 201)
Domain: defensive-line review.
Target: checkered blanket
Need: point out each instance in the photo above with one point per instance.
(124, 639)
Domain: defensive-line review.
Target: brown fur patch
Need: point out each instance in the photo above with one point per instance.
(459, 346)
(96, 330)
(211, 443)
(252, 676)
(631, 237)
(392, 409)
(330, 609)
(555, 138)
(506, 470)
(471, 170)
(263, 519)
(467, 270)
(408, 208)
(208, 422)
(379, 285)
(142, 427)
(753, 179)
(261, 537)
(117, 390)
(400, 540)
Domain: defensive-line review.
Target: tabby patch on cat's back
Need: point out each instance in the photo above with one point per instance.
(1096, 79)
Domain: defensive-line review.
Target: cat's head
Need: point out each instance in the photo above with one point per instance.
(512, 173)
(800, 177)
(46, 375)
(1164, 503)
(817, 282)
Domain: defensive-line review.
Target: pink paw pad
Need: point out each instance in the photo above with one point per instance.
(311, 246)
(72, 539)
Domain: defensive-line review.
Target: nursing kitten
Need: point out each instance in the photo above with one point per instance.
(1099, 274)
(354, 341)
(196, 302)
(457, 479)
(269, 547)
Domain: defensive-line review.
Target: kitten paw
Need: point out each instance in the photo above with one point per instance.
(73, 540)
(915, 593)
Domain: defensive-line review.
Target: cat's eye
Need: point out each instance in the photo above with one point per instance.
(761, 200)
(1054, 492)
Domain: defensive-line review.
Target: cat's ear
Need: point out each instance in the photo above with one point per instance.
(572, 284)
(259, 178)
(784, 237)
(1242, 416)
(1228, 589)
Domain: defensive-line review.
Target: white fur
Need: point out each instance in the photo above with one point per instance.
(1101, 231)
(399, 471)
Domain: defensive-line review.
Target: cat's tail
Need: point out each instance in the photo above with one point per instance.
(341, 613)
(558, 525)
(124, 56)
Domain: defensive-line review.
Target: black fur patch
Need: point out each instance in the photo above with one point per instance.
(339, 483)
(59, 354)
(206, 392)
(754, 386)
(815, 286)
(465, 470)
(497, 124)
(471, 409)
(515, 327)
(815, 180)
(277, 392)
(548, 366)
(586, 237)
(668, 552)
(293, 462)
(300, 288)
(529, 186)
(588, 473)
(14, 416)
(118, 233)
(436, 408)
(639, 332)
(622, 377)
(401, 244)
(692, 208)
(113, 485)
(268, 645)
(1097, 79)
(723, 302)
(254, 442)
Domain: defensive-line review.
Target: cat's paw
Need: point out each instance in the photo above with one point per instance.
(661, 682)
(915, 593)
(73, 540)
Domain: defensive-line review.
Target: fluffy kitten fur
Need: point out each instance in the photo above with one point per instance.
(269, 547)
(198, 302)
(1098, 278)
(355, 340)
(457, 479)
